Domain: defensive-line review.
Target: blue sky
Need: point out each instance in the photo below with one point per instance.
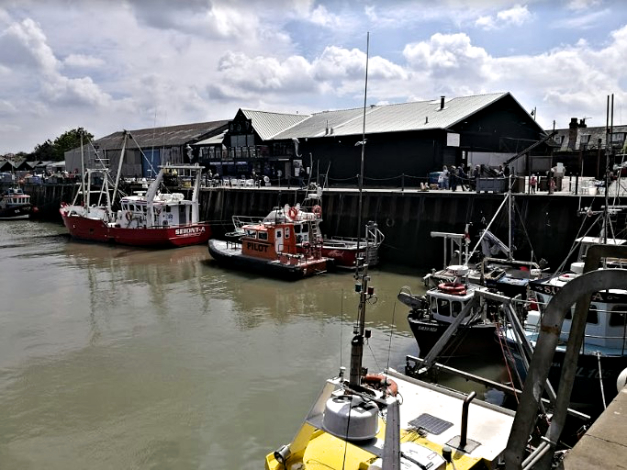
(112, 65)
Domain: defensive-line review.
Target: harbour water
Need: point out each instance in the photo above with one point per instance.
(116, 357)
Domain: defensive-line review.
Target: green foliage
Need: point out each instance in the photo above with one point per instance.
(69, 140)
(43, 152)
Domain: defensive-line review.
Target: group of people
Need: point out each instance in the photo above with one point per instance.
(454, 177)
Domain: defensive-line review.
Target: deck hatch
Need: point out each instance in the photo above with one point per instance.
(431, 424)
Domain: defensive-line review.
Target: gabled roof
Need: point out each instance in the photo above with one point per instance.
(414, 116)
(269, 124)
(162, 136)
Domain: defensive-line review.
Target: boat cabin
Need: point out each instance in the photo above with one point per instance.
(269, 240)
(167, 210)
(444, 306)
(15, 197)
(606, 322)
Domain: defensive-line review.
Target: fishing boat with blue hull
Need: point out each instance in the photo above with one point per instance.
(15, 205)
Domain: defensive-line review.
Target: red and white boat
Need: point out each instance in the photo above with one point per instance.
(150, 219)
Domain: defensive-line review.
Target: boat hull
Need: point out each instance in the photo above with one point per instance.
(229, 254)
(476, 339)
(586, 390)
(85, 228)
(15, 213)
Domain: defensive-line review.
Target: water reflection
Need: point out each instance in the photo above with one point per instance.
(114, 357)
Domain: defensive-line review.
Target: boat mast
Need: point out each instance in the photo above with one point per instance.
(361, 284)
(85, 200)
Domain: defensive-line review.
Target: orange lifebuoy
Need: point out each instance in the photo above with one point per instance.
(293, 213)
(456, 288)
(317, 210)
(379, 381)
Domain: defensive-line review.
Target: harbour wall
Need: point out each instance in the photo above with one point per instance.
(543, 224)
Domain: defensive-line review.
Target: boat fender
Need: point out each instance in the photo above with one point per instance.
(317, 210)
(379, 381)
(621, 382)
(293, 212)
(456, 288)
(129, 216)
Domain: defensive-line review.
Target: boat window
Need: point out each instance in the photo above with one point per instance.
(618, 315)
(593, 315)
(251, 233)
(278, 233)
(167, 208)
(444, 307)
(456, 307)
(296, 229)
(287, 232)
(263, 235)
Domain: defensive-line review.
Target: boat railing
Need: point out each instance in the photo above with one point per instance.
(239, 221)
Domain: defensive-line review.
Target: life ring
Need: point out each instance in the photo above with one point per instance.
(378, 381)
(317, 210)
(389, 222)
(456, 288)
(293, 212)
(128, 216)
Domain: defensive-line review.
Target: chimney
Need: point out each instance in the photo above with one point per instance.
(442, 102)
(572, 133)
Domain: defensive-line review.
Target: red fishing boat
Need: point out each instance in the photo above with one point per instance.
(277, 246)
(150, 219)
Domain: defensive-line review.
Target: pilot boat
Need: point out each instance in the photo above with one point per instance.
(281, 245)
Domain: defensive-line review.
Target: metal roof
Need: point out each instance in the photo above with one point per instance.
(215, 140)
(414, 116)
(269, 124)
(170, 136)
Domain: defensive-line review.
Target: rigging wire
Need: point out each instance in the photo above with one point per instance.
(391, 331)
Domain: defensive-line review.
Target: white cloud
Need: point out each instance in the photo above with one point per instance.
(24, 45)
(83, 61)
(584, 21)
(515, 16)
(582, 4)
(321, 16)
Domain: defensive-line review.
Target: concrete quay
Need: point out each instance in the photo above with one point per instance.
(604, 446)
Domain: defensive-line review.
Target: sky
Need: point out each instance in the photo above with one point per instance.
(108, 65)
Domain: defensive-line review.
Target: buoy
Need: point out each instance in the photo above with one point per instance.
(456, 288)
(377, 380)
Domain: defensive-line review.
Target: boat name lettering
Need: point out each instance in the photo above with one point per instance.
(189, 231)
(428, 328)
(257, 247)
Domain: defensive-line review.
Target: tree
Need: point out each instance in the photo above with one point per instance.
(70, 140)
(43, 152)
